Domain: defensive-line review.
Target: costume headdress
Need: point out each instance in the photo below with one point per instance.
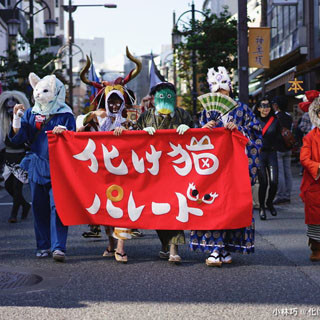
(312, 105)
(118, 84)
(218, 79)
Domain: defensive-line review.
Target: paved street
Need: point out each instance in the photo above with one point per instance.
(278, 278)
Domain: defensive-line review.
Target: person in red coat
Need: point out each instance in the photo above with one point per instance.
(310, 185)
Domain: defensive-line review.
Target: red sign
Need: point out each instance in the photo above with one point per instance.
(199, 180)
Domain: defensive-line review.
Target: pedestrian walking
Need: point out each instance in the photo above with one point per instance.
(310, 185)
(268, 171)
(13, 174)
(284, 152)
(49, 112)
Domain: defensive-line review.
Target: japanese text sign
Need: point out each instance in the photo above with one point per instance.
(259, 47)
(199, 180)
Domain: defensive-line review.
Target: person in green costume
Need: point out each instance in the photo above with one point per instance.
(166, 115)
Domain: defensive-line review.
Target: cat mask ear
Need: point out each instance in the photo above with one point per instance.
(33, 79)
(52, 82)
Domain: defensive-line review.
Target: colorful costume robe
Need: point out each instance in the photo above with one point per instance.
(240, 240)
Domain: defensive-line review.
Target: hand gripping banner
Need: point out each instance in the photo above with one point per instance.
(199, 180)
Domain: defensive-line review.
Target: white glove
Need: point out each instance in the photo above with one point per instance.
(16, 122)
(182, 128)
(150, 130)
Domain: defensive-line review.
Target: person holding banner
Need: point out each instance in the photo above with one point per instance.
(50, 112)
(166, 115)
(268, 171)
(310, 185)
(221, 242)
(112, 118)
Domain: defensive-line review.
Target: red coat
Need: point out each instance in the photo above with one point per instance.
(310, 185)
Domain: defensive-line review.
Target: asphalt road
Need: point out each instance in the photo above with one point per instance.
(277, 281)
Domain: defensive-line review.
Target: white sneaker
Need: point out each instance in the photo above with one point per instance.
(226, 257)
(58, 256)
(214, 260)
(43, 253)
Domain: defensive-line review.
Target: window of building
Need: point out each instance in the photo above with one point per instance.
(300, 13)
(57, 3)
(274, 33)
(293, 18)
(280, 22)
(286, 23)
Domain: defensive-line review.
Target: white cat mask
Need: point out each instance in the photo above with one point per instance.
(49, 94)
(218, 79)
(43, 89)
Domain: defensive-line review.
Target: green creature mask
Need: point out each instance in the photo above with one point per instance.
(165, 100)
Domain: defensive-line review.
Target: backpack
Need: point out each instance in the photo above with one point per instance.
(288, 138)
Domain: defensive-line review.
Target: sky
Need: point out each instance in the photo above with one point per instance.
(142, 25)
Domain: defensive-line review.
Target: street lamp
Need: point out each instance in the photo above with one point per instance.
(176, 39)
(13, 24)
(58, 63)
(70, 8)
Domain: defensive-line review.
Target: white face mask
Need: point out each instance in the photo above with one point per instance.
(218, 79)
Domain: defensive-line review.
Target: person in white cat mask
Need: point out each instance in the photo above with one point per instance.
(50, 112)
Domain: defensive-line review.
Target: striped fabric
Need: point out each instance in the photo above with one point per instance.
(313, 231)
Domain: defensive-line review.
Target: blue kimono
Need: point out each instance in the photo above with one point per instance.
(237, 240)
(249, 125)
(50, 233)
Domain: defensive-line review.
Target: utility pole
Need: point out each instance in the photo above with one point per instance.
(32, 32)
(243, 52)
(71, 41)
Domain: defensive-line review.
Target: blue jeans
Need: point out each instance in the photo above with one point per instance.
(49, 230)
(285, 175)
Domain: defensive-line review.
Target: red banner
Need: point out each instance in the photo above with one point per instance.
(197, 181)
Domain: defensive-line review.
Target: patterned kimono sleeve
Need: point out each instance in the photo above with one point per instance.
(249, 125)
(207, 116)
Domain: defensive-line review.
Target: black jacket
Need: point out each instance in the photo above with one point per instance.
(285, 121)
(270, 139)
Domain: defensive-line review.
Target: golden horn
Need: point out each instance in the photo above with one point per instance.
(138, 68)
(84, 71)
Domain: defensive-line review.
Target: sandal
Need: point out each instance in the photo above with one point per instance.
(108, 253)
(91, 234)
(121, 257)
(226, 257)
(164, 254)
(175, 258)
(214, 260)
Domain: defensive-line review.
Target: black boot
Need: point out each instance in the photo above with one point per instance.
(262, 213)
(272, 209)
(25, 210)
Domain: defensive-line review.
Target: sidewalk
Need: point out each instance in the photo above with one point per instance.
(278, 278)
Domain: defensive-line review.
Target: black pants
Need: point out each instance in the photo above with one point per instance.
(14, 188)
(268, 176)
